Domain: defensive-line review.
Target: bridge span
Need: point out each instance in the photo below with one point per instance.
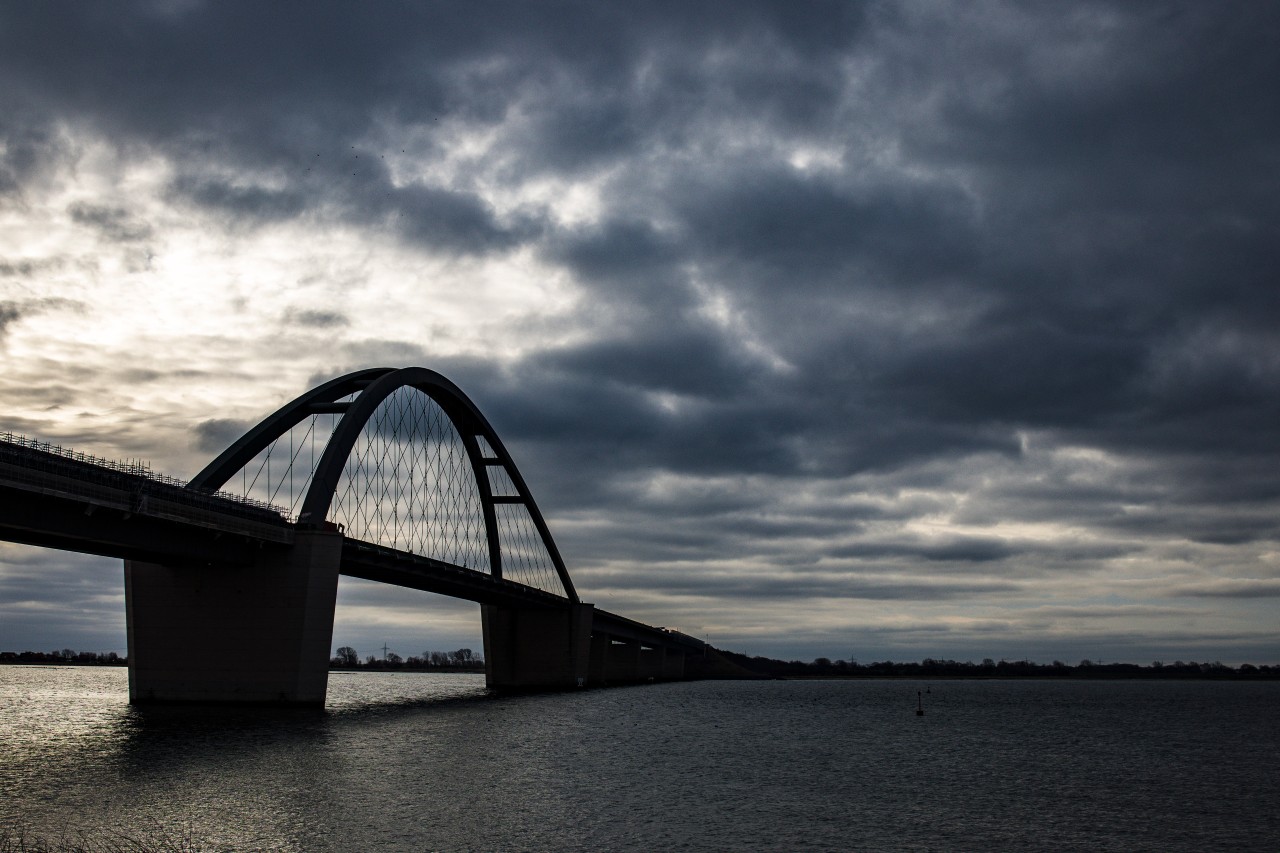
(391, 475)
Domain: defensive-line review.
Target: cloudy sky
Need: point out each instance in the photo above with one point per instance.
(882, 330)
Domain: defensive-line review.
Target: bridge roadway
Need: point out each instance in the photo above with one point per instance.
(75, 503)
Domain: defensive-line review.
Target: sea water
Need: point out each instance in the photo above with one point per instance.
(409, 761)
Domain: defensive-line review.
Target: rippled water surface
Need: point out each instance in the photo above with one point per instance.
(403, 761)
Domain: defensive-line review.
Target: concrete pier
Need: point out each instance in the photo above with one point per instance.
(537, 649)
(250, 634)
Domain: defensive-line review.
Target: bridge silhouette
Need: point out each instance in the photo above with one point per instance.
(391, 475)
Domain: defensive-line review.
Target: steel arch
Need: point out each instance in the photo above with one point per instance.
(321, 399)
(372, 386)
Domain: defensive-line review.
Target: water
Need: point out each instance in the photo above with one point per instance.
(432, 762)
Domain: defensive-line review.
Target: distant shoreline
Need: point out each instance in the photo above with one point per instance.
(1263, 674)
(1270, 676)
(726, 664)
(362, 668)
(378, 667)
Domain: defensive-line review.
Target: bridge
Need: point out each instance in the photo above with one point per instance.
(391, 475)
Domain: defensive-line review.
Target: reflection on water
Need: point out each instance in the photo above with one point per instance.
(80, 759)
(411, 761)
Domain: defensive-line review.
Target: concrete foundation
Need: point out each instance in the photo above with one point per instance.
(537, 649)
(257, 634)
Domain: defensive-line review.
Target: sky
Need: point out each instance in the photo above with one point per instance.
(859, 330)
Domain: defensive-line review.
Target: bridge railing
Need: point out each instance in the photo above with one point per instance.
(43, 464)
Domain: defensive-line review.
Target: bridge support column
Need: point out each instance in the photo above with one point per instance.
(622, 661)
(537, 649)
(253, 634)
(599, 661)
(673, 665)
(651, 662)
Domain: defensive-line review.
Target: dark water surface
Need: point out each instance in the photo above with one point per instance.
(432, 762)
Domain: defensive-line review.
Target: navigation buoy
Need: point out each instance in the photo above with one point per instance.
(919, 704)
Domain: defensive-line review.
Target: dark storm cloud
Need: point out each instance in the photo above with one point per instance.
(430, 217)
(356, 593)
(818, 235)
(454, 221)
(615, 427)
(625, 259)
(977, 549)
(1230, 589)
(32, 578)
(28, 149)
(241, 204)
(1064, 190)
(1206, 523)
(792, 586)
(876, 242)
(216, 435)
(692, 361)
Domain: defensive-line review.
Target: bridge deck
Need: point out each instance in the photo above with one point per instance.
(59, 502)
(387, 565)
(76, 504)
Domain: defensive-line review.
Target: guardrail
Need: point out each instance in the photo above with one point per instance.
(130, 486)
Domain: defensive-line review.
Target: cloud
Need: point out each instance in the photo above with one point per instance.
(27, 267)
(959, 310)
(9, 313)
(216, 435)
(15, 310)
(239, 203)
(114, 223)
(1268, 588)
(316, 319)
(735, 586)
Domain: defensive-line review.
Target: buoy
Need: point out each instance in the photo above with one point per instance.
(919, 704)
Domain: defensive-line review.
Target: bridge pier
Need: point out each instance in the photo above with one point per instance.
(673, 665)
(252, 634)
(622, 660)
(625, 660)
(536, 648)
(651, 662)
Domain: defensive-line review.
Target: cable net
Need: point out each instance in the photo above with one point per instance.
(407, 484)
(524, 557)
(281, 474)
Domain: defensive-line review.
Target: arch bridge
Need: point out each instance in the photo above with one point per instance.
(391, 475)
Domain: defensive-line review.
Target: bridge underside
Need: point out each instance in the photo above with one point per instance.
(262, 633)
(578, 646)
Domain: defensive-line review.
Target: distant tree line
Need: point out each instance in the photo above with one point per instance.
(732, 664)
(65, 656)
(988, 668)
(346, 658)
(462, 660)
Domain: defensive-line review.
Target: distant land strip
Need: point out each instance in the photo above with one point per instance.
(724, 664)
